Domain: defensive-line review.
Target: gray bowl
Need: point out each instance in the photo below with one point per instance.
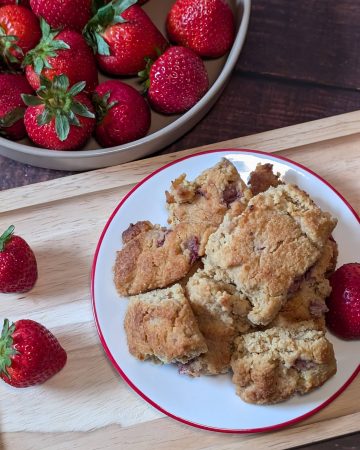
(164, 129)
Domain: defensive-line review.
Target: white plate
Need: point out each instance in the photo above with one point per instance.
(164, 129)
(210, 402)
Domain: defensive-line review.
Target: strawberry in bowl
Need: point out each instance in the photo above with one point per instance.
(59, 117)
(122, 114)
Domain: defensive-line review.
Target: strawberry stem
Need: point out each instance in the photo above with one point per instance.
(6, 236)
(6, 347)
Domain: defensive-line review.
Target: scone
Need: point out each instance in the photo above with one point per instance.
(262, 178)
(267, 250)
(271, 366)
(160, 325)
(221, 314)
(206, 199)
(308, 303)
(154, 257)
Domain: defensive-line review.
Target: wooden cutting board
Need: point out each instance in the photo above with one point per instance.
(87, 405)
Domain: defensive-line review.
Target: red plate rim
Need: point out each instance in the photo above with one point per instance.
(118, 368)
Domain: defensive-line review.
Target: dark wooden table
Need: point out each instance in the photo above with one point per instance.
(301, 62)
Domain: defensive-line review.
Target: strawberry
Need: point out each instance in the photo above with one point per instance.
(205, 26)
(59, 117)
(18, 268)
(12, 107)
(122, 114)
(175, 81)
(19, 33)
(29, 354)
(63, 13)
(122, 36)
(55, 55)
(343, 318)
(15, 2)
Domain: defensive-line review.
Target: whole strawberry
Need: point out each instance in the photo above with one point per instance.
(122, 36)
(205, 26)
(176, 81)
(12, 107)
(55, 55)
(19, 33)
(18, 268)
(343, 318)
(63, 13)
(60, 117)
(29, 354)
(122, 114)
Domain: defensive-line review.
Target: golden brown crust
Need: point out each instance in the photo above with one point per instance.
(134, 230)
(206, 199)
(262, 178)
(158, 257)
(270, 366)
(267, 250)
(161, 325)
(221, 313)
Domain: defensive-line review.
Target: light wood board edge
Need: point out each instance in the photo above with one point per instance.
(131, 173)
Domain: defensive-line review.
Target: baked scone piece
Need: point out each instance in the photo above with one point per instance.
(154, 257)
(267, 250)
(309, 303)
(206, 199)
(161, 326)
(221, 313)
(262, 178)
(270, 366)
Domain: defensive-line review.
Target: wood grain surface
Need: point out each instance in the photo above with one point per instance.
(87, 405)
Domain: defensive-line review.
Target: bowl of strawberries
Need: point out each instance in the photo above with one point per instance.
(94, 83)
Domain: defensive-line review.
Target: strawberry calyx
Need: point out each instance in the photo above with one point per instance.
(105, 16)
(9, 119)
(144, 75)
(9, 48)
(59, 104)
(47, 48)
(102, 105)
(6, 347)
(6, 236)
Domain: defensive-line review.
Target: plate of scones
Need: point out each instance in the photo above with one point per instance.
(210, 285)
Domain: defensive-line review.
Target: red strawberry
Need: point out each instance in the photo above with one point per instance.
(29, 354)
(63, 13)
(205, 26)
(59, 118)
(12, 107)
(176, 80)
(123, 36)
(122, 113)
(19, 33)
(343, 318)
(18, 268)
(55, 55)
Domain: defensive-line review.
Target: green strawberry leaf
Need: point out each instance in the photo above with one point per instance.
(62, 126)
(60, 82)
(81, 110)
(12, 117)
(44, 117)
(101, 45)
(77, 88)
(3, 239)
(31, 100)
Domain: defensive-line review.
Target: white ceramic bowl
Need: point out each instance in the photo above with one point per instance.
(164, 129)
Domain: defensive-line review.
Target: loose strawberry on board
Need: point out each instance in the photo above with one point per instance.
(122, 36)
(60, 117)
(343, 317)
(29, 354)
(122, 114)
(18, 268)
(12, 107)
(65, 52)
(19, 33)
(205, 26)
(63, 13)
(176, 81)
